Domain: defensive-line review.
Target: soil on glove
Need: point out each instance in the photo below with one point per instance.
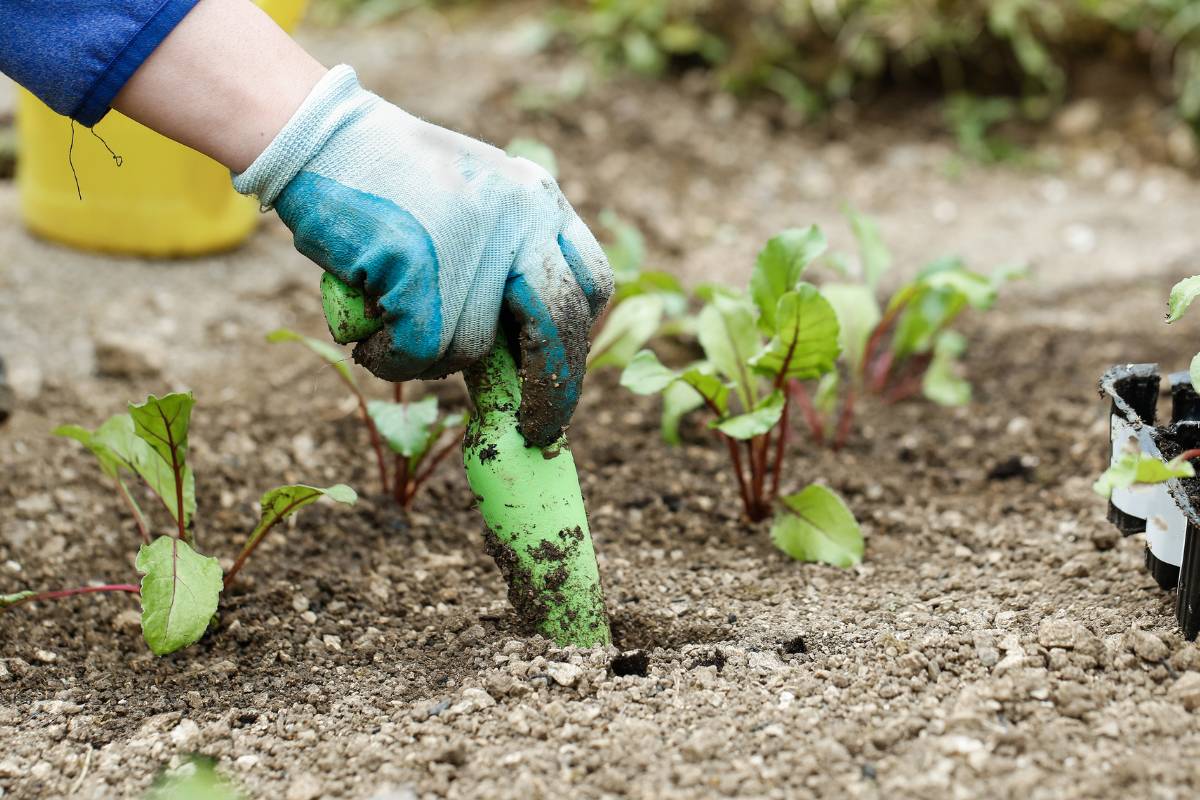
(999, 640)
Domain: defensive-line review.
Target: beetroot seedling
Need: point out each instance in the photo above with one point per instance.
(1182, 296)
(1135, 468)
(899, 349)
(180, 587)
(412, 431)
(757, 346)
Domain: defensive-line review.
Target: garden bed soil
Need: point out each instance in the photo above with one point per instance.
(1000, 639)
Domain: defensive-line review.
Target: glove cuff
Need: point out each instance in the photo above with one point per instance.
(336, 100)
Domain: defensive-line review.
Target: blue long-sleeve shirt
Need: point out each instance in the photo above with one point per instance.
(77, 54)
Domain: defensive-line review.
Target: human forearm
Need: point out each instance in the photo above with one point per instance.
(223, 82)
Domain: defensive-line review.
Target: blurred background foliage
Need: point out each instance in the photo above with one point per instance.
(813, 53)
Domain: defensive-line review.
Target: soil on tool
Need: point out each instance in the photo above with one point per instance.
(539, 423)
(999, 640)
(529, 605)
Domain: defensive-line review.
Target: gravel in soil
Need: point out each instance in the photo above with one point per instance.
(999, 640)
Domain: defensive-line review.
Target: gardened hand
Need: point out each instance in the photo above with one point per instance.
(441, 232)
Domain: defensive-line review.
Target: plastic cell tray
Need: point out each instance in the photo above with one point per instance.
(1166, 513)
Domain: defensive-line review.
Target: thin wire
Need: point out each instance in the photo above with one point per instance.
(71, 162)
(118, 160)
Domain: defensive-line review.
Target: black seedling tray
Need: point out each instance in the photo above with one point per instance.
(1165, 512)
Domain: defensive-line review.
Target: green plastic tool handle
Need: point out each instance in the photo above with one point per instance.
(529, 497)
(346, 312)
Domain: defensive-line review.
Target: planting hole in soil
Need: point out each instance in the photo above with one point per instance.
(795, 646)
(635, 663)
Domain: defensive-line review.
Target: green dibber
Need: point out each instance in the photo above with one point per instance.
(346, 312)
(529, 497)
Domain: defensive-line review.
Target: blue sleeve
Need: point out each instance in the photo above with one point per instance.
(77, 54)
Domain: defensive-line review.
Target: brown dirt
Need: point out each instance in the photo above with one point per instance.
(999, 640)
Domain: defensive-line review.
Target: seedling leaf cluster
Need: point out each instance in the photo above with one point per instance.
(412, 431)
(757, 346)
(903, 346)
(180, 587)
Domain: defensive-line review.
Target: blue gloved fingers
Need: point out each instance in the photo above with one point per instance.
(553, 318)
(372, 244)
(475, 328)
(587, 261)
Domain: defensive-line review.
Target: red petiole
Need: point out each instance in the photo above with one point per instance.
(58, 594)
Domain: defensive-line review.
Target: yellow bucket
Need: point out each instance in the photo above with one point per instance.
(164, 199)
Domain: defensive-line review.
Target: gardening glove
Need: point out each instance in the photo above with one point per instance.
(440, 232)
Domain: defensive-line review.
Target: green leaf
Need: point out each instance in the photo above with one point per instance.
(816, 525)
(1194, 372)
(711, 388)
(779, 267)
(928, 312)
(180, 592)
(645, 374)
(7, 600)
(408, 428)
(330, 354)
(857, 313)
(110, 462)
(117, 446)
(942, 291)
(805, 344)
(678, 399)
(905, 295)
(119, 435)
(641, 53)
(1182, 295)
(684, 327)
(730, 338)
(195, 781)
(162, 423)
(652, 282)
(941, 382)
(626, 329)
(663, 285)
(756, 422)
(872, 252)
(977, 290)
(682, 392)
(707, 292)
(534, 151)
(283, 501)
(942, 264)
(1140, 468)
(627, 249)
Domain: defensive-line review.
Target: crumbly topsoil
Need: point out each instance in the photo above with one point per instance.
(999, 640)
